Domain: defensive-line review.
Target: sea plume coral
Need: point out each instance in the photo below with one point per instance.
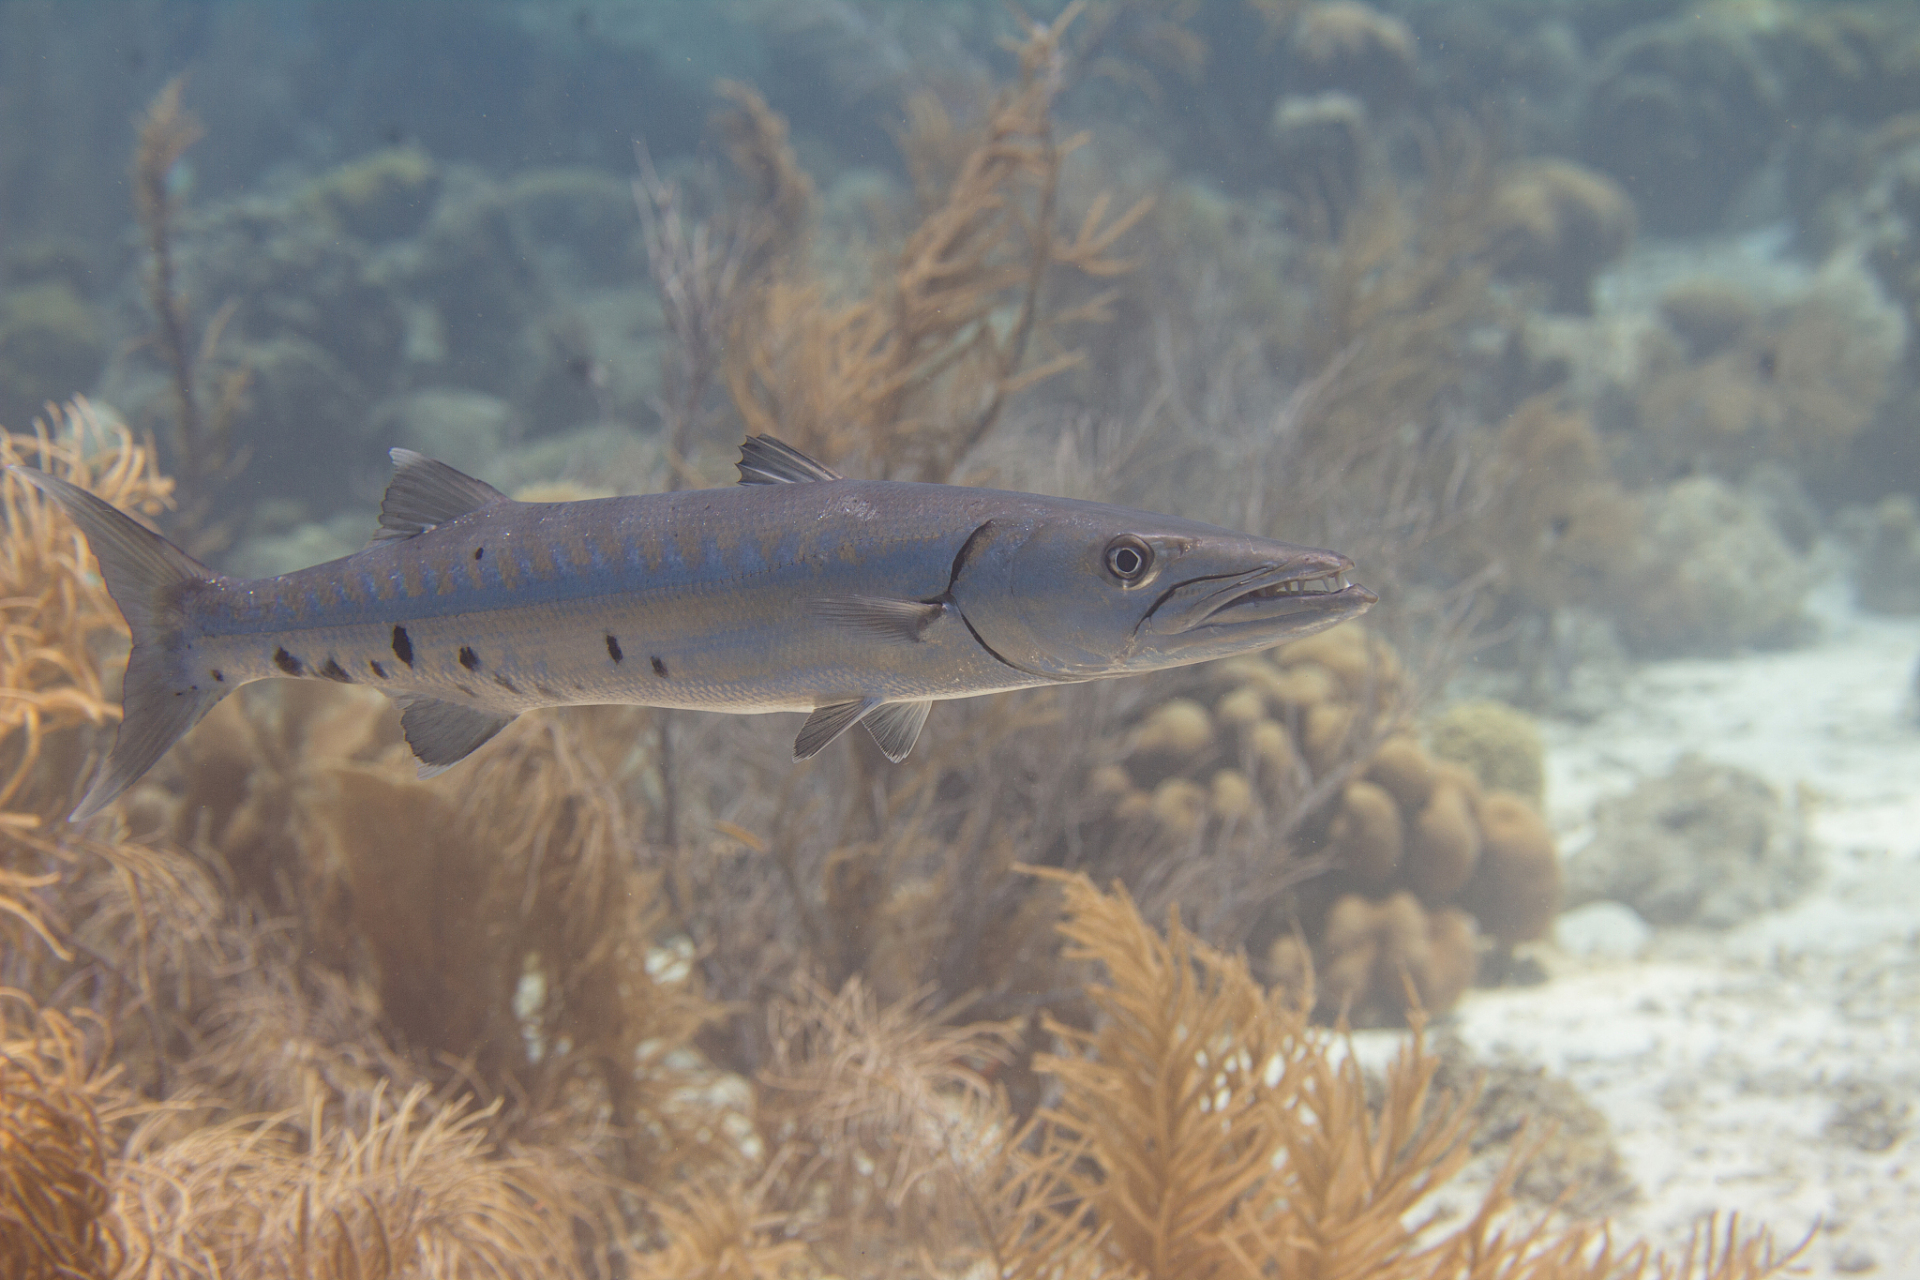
(60, 1102)
(409, 1190)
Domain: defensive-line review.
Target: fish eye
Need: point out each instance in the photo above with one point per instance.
(1128, 558)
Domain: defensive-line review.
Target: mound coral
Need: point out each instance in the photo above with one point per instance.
(1499, 744)
(1351, 47)
(1560, 222)
(1705, 844)
(1425, 857)
(1796, 385)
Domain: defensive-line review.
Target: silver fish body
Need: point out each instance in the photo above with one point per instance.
(854, 601)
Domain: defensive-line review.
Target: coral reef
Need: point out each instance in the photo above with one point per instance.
(1796, 385)
(384, 195)
(1319, 147)
(1559, 527)
(1350, 47)
(635, 996)
(1886, 574)
(1499, 745)
(1714, 575)
(1708, 314)
(1706, 844)
(1425, 861)
(1560, 222)
(1685, 111)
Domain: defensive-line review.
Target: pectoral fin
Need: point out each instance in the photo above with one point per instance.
(889, 619)
(896, 727)
(442, 734)
(827, 723)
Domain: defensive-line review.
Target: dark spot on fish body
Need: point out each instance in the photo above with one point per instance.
(613, 648)
(468, 658)
(506, 684)
(478, 552)
(216, 674)
(377, 669)
(288, 663)
(402, 646)
(546, 691)
(466, 689)
(335, 672)
(659, 667)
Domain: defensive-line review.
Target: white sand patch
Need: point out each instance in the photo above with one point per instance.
(1754, 1069)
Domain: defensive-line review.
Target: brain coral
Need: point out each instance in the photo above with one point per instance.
(1499, 744)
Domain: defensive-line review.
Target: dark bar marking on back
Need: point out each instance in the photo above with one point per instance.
(288, 663)
(334, 671)
(659, 667)
(402, 647)
(377, 669)
(613, 648)
(468, 658)
(505, 683)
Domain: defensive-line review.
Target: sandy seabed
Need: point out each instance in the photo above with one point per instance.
(1755, 1069)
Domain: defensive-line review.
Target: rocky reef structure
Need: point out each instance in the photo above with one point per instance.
(1706, 844)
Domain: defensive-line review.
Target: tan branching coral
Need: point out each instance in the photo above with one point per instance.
(1222, 1135)
(909, 380)
(56, 620)
(410, 1189)
(59, 1105)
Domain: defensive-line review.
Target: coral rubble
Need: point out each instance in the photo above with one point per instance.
(1706, 844)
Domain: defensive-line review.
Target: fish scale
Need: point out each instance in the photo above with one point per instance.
(799, 590)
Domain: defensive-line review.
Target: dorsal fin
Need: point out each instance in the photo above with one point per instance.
(764, 460)
(424, 493)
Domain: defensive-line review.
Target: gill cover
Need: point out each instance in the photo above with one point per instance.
(1038, 593)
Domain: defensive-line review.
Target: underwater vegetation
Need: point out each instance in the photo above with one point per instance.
(1065, 993)
(293, 1011)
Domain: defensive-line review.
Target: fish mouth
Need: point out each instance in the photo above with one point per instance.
(1328, 591)
(1303, 593)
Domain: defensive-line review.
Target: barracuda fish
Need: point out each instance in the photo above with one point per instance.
(854, 601)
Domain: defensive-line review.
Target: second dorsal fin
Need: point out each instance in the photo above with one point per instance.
(764, 460)
(424, 493)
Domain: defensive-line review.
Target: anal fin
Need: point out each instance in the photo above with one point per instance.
(829, 722)
(442, 734)
(896, 727)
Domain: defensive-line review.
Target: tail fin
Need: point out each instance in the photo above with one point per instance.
(145, 574)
